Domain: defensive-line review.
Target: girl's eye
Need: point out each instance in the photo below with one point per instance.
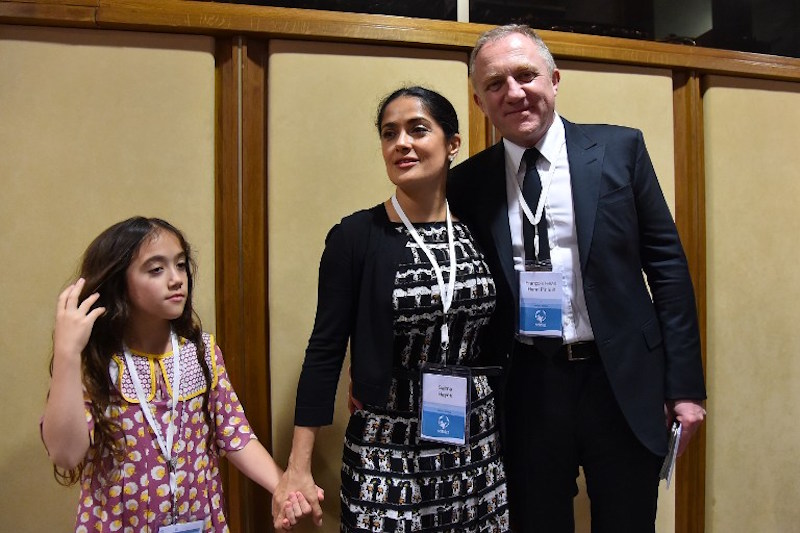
(420, 130)
(387, 134)
(181, 265)
(156, 270)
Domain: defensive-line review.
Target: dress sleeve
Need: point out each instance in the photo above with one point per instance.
(336, 307)
(233, 431)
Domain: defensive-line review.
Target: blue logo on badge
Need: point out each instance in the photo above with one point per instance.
(541, 318)
(444, 422)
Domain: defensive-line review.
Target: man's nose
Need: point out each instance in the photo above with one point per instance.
(514, 89)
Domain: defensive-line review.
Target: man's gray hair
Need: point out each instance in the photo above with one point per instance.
(501, 32)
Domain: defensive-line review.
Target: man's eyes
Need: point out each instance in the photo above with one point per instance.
(525, 77)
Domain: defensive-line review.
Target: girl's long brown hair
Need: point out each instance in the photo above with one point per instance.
(104, 267)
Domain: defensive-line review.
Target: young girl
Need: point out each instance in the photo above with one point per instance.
(140, 405)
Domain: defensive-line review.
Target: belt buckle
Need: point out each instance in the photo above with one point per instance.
(574, 356)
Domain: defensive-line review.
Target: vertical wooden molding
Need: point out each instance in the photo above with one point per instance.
(480, 130)
(226, 232)
(241, 217)
(690, 216)
(255, 266)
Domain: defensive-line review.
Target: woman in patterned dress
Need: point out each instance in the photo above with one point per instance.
(140, 406)
(383, 287)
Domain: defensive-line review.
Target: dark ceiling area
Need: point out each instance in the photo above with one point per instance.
(763, 26)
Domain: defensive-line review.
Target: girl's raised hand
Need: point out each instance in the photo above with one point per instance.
(74, 321)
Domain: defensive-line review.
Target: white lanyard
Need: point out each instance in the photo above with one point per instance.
(165, 445)
(547, 180)
(446, 292)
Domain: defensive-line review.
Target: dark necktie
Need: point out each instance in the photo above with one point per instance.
(531, 191)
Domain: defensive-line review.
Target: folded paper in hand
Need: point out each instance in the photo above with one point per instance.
(668, 467)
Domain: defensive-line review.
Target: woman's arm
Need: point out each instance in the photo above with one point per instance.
(297, 477)
(256, 463)
(64, 428)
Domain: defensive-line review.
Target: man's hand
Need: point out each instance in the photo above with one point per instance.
(690, 414)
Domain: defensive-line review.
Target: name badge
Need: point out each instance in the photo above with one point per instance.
(540, 296)
(188, 527)
(445, 403)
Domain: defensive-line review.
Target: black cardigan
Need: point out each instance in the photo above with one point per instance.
(356, 280)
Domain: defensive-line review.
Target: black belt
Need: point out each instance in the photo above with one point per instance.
(579, 351)
(574, 352)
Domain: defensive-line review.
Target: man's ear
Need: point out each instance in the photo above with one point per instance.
(555, 79)
(477, 101)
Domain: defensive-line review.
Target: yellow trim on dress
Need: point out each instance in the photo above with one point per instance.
(152, 359)
(121, 365)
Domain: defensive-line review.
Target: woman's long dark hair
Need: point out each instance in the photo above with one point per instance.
(104, 267)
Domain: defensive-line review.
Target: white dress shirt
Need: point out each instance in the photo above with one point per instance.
(553, 169)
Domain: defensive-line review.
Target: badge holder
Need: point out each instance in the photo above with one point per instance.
(196, 526)
(444, 409)
(540, 295)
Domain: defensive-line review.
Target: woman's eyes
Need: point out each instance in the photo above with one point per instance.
(415, 131)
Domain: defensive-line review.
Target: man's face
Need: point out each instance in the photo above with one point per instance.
(514, 88)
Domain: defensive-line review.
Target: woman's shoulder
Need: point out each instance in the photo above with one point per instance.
(356, 227)
(366, 217)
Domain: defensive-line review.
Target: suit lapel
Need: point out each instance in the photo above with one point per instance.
(497, 221)
(585, 168)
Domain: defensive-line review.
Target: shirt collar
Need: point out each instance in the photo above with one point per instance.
(549, 145)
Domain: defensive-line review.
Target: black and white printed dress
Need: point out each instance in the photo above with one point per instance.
(391, 481)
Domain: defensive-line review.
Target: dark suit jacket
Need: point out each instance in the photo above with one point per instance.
(650, 347)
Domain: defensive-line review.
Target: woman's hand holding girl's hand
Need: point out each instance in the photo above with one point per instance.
(74, 321)
(296, 496)
(296, 507)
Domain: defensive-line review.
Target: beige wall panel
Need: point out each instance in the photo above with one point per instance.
(324, 163)
(629, 96)
(640, 98)
(96, 126)
(752, 192)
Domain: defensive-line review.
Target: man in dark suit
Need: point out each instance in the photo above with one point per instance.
(627, 363)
